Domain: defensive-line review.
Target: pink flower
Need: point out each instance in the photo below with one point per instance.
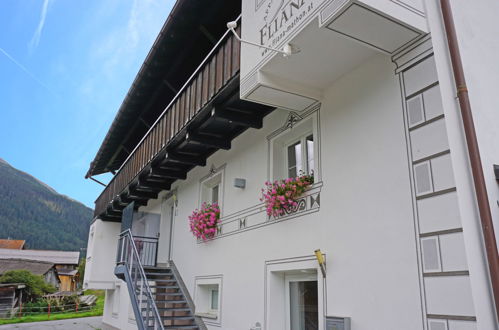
(203, 221)
(280, 196)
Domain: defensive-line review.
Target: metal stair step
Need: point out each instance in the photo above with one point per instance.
(176, 293)
(178, 318)
(156, 267)
(161, 280)
(158, 273)
(173, 309)
(161, 286)
(168, 286)
(170, 301)
(149, 270)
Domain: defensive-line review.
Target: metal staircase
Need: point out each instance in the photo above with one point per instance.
(159, 297)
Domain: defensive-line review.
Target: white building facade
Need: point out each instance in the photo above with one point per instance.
(367, 103)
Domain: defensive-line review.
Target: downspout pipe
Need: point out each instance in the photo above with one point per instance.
(473, 151)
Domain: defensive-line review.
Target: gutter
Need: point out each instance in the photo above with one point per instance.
(473, 151)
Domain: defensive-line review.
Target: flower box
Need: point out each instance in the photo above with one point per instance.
(281, 196)
(203, 222)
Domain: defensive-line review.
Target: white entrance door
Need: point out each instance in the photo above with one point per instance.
(302, 302)
(167, 222)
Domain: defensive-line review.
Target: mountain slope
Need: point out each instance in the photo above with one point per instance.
(31, 210)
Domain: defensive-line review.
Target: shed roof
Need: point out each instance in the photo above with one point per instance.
(34, 266)
(17, 244)
(55, 257)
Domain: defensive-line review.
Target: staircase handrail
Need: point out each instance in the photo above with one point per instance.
(127, 234)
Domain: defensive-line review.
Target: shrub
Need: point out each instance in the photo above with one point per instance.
(35, 285)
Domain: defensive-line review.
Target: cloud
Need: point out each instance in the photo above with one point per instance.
(23, 68)
(122, 46)
(35, 40)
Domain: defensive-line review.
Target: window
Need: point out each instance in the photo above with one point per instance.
(302, 301)
(214, 299)
(208, 298)
(300, 156)
(295, 150)
(215, 190)
(211, 189)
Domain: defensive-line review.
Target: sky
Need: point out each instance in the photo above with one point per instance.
(65, 68)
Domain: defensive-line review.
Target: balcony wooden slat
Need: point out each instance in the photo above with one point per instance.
(177, 117)
(178, 122)
(192, 109)
(167, 126)
(165, 130)
(146, 151)
(227, 60)
(185, 110)
(144, 155)
(198, 97)
(156, 140)
(160, 135)
(219, 70)
(188, 102)
(174, 120)
(205, 85)
(180, 114)
(170, 120)
(185, 98)
(182, 110)
(236, 49)
(152, 149)
(213, 66)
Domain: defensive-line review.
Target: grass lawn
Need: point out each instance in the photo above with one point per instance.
(96, 310)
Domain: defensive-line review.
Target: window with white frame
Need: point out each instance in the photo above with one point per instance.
(211, 188)
(300, 156)
(207, 298)
(294, 150)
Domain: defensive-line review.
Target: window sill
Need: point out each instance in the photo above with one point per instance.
(207, 315)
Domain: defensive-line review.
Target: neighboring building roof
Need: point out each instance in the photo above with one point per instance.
(34, 266)
(55, 257)
(17, 244)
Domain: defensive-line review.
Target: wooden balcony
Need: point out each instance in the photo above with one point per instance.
(204, 117)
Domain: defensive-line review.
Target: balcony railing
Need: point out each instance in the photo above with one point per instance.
(212, 75)
(146, 248)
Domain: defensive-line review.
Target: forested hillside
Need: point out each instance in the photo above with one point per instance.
(33, 211)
